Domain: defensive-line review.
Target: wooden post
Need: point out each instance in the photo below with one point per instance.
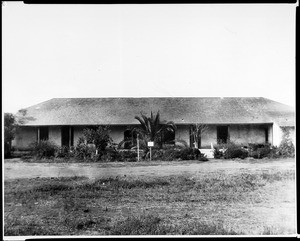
(150, 153)
(38, 134)
(138, 147)
(70, 135)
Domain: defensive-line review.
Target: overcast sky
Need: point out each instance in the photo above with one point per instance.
(51, 51)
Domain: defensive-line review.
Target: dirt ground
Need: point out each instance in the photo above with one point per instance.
(271, 206)
(16, 168)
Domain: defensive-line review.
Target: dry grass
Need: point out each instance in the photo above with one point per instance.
(209, 204)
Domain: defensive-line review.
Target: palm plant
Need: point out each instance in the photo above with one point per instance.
(153, 129)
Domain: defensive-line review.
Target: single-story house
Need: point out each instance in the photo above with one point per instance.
(241, 120)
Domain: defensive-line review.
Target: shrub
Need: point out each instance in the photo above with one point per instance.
(218, 154)
(99, 137)
(43, 149)
(128, 155)
(190, 154)
(64, 152)
(259, 151)
(81, 150)
(202, 158)
(234, 151)
(111, 155)
(287, 148)
(167, 154)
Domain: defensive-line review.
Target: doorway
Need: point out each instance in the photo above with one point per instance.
(127, 139)
(222, 134)
(67, 136)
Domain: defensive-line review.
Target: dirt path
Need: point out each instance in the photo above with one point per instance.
(15, 168)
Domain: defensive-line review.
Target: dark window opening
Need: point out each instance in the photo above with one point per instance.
(44, 133)
(168, 137)
(67, 136)
(128, 139)
(222, 134)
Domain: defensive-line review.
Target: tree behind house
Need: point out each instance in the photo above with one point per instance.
(10, 127)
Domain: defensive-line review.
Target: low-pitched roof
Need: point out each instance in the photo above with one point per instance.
(121, 111)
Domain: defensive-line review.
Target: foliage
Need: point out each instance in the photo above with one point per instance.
(64, 152)
(10, 126)
(82, 150)
(180, 143)
(229, 150)
(286, 147)
(196, 131)
(218, 154)
(93, 145)
(259, 151)
(152, 129)
(99, 137)
(189, 154)
(43, 149)
(129, 155)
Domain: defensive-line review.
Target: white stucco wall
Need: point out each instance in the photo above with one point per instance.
(244, 134)
(24, 137)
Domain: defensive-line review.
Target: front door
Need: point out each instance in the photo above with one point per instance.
(66, 136)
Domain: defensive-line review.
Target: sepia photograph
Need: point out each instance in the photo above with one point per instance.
(148, 120)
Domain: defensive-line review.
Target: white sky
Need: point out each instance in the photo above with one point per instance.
(180, 50)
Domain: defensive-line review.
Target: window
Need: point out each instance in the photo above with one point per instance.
(44, 133)
(222, 134)
(168, 137)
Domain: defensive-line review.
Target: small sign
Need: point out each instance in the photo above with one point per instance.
(150, 143)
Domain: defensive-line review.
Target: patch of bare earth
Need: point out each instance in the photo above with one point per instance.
(190, 198)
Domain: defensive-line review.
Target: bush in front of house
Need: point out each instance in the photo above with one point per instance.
(99, 137)
(230, 151)
(82, 150)
(43, 149)
(218, 154)
(259, 151)
(128, 155)
(65, 152)
(189, 154)
(111, 155)
(236, 152)
(287, 148)
(173, 153)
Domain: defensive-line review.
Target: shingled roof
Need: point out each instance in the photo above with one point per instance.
(121, 111)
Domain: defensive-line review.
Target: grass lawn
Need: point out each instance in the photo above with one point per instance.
(223, 202)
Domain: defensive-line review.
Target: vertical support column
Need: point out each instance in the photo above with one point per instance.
(271, 134)
(70, 136)
(38, 134)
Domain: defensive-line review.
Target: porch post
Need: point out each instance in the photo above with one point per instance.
(38, 134)
(70, 136)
